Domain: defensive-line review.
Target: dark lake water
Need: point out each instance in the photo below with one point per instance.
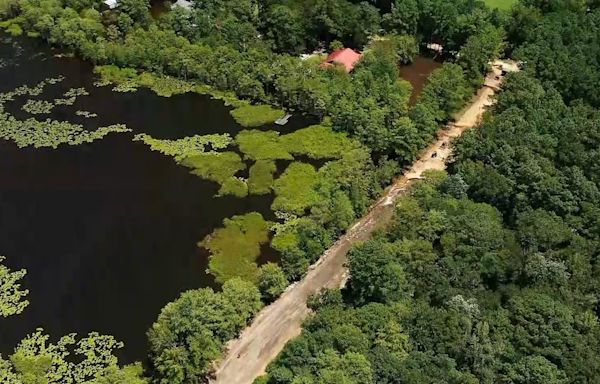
(108, 230)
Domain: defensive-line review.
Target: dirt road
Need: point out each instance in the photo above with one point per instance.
(249, 355)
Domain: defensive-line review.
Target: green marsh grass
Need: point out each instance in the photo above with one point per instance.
(260, 180)
(256, 115)
(235, 247)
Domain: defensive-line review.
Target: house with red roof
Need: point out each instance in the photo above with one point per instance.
(346, 57)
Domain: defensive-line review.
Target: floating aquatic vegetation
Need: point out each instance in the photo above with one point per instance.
(71, 96)
(37, 107)
(256, 115)
(67, 101)
(165, 86)
(318, 142)
(86, 114)
(128, 79)
(262, 145)
(75, 92)
(47, 133)
(235, 247)
(220, 167)
(50, 133)
(31, 91)
(187, 146)
(235, 186)
(125, 87)
(295, 189)
(261, 177)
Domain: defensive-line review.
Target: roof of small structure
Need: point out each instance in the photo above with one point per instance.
(346, 57)
(183, 4)
(111, 3)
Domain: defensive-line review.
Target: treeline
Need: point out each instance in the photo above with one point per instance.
(488, 274)
(377, 115)
(451, 293)
(230, 46)
(562, 48)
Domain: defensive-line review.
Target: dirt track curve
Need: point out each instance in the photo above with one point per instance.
(248, 356)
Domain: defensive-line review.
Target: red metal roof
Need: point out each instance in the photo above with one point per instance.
(346, 57)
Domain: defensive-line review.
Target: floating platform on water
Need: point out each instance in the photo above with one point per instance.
(284, 120)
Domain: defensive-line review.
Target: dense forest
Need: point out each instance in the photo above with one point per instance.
(487, 274)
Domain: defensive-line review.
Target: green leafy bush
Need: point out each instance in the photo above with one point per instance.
(191, 331)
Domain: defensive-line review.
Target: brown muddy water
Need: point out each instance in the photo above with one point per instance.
(417, 73)
(108, 230)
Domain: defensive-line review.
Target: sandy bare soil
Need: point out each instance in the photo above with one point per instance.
(249, 355)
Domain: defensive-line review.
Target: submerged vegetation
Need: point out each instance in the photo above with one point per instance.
(235, 247)
(256, 115)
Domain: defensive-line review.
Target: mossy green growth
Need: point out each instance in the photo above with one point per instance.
(261, 177)
(220, 167)
(165, 86)
(256, 115)
(262, 145)
(116, 75)
(235, 247)
(187, 146)
(234, 186)
(318, 142)
(128, 80)
(295, 189)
